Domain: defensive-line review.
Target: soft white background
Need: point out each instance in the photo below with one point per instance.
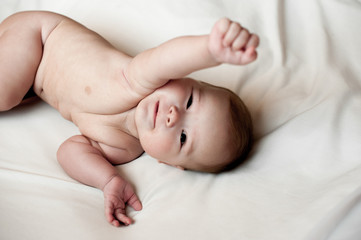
(303, 178)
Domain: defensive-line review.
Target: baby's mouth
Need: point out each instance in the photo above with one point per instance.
(156, 113)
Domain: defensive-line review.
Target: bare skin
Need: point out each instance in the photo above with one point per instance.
(104, 91)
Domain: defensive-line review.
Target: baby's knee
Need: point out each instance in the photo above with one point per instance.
(8, 102)
(9, 98)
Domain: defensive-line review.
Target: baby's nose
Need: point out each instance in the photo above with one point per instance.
(172, 116)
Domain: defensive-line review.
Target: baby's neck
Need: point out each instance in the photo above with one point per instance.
(128, 123)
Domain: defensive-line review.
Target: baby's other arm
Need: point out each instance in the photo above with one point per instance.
(84, 160)
(228, 42)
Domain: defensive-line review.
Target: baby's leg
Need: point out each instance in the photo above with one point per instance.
(20, 55)
(21, 44)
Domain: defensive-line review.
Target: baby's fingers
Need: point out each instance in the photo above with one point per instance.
(110, 217)
(232, 33)
(241, 41)
(253, 41)
(135, 203)
(121, 217)
(117, 217)
(249, 55)
(131, 198)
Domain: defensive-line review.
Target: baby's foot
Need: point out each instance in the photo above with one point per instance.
(230, 43)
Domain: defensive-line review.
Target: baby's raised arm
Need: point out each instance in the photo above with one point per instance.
(228, 42)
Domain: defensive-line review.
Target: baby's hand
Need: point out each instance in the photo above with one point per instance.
(230, 43)
(118, 193)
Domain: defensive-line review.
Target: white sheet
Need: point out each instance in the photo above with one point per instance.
(303, 178)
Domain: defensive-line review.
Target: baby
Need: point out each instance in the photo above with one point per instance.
(124, 106)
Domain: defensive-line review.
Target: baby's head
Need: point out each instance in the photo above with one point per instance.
(194, 126)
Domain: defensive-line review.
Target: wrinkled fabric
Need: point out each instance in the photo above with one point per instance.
(302, 180)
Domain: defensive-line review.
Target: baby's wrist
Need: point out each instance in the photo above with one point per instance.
(112, 180)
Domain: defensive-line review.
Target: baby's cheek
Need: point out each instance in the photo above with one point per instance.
(157, 148)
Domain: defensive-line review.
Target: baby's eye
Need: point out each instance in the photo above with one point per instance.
(183, 138)
(190, 100)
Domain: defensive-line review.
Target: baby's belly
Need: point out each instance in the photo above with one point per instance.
(52, 90)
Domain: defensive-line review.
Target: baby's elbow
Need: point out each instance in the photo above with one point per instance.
(62, 152)
(66, 149)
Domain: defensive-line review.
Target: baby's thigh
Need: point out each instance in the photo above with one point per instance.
(20, 55)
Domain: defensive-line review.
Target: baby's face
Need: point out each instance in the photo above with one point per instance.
(184, 123)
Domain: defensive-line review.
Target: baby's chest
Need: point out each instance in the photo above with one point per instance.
(111, 130)
(85, 79)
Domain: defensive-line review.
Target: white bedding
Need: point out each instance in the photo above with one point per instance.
(303, 178)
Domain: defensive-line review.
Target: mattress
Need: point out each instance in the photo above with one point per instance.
(302, 180)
